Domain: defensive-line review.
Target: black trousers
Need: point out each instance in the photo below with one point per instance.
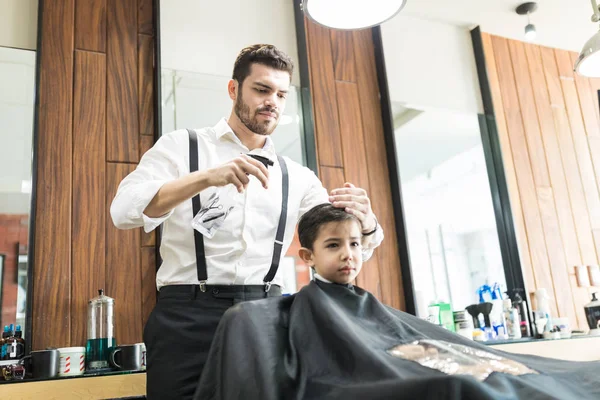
(180, 330)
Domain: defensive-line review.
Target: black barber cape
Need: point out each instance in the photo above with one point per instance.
(329, 341)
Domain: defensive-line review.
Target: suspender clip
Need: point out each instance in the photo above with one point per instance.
(267, 287)
(203, 286)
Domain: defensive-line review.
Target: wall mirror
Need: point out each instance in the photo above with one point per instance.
(197, 46)
(453, 228)
(18, 37)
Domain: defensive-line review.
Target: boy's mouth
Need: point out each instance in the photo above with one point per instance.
(346, 269)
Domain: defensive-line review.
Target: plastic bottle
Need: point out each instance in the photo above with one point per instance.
(221, 203)
(521, 305)
(20, 343)
(511, 316)
(543, 306)
(3, 343)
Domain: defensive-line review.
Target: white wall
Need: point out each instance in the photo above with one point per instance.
(431, 64)
(206, 36)
(18, 23)
(17, 82)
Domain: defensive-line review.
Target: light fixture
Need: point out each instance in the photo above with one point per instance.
(588, 62)
(527, 9)
(351, 14)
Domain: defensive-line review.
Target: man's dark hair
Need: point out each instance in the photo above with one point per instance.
(265, 54)
(315, 218)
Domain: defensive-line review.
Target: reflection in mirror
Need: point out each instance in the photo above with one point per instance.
(195, 70)
(450, 222)
(452, 237)
(17, 80)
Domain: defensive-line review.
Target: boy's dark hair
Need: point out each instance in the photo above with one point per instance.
(265, 54)
(315, 218)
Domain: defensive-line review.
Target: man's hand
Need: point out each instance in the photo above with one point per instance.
(356, 202)
(238, 171)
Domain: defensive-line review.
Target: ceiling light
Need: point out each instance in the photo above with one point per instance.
(588, 62)
(351, 14)
(527, 9)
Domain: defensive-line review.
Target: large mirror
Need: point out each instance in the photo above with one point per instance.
(453, 243)
(18, 36)
(199, 42)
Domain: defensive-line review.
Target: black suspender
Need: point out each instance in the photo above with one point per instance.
(199, 239)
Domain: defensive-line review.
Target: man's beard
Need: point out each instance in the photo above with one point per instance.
(243, 112)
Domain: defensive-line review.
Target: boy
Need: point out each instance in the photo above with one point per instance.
(331, 244)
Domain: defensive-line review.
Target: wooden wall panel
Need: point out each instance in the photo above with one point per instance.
(145, 17)
(327, 130)
(342, 46)
(88, 115)
(507, 159)
(122, 83)
(123, 265)
(347, 110)
(146, 84)
(90, 25)
(548, 122)
(89, 218)
(52, 264)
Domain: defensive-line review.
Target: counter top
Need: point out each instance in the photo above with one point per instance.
(93, 387)
(577, 348)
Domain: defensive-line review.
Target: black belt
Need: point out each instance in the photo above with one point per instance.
(199, 239)
(225, 291)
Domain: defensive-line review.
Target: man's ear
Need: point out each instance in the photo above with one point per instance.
(306, 255)
(232, 89)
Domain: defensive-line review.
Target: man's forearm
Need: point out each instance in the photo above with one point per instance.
(173, 193)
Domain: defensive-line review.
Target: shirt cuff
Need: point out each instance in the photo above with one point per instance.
(141, 198)
(376, 240)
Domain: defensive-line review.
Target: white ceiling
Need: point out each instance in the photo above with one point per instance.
(563, 24)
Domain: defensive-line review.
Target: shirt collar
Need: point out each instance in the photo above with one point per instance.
(320, 278)
(224, 131)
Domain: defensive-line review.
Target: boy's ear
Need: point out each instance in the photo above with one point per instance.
(306, 255)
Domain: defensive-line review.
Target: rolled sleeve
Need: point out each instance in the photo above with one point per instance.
(158, 166)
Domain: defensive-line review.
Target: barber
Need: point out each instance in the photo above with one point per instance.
(200, 276)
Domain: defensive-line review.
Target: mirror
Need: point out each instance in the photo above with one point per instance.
(199, 42)
(18, 36)
(453, 242)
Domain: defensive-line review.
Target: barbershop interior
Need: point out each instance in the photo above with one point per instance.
(299, 199)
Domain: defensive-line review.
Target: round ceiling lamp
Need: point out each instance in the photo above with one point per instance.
(527, 9)
(351, 14)
(588, 62)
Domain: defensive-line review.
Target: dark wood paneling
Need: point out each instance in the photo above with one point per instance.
(148, 239)
(52, 268)
(331, 177)
(145, 17)
(146, 84)
(342, 46)
(123, 266)
(392, 291)
(351, 130)
(88, 113)
(89, 218)
(350, 139)
(90, 25)
(324, 104)
(122, 82)
(148, 282)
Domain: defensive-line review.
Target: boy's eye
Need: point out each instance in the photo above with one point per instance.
(261, 90)
(332, 245)
(355, 244)
(282, 96)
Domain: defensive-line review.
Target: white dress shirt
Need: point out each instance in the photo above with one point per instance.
(240, 252)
